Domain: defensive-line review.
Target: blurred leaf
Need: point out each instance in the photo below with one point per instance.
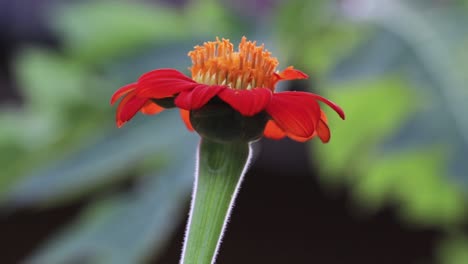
(50, 82)
(454, 250)
(104, 161)
(95, 32)
(375, 109)
(55, 115)
(126, 228)
(435, 70)
(415, 180)
(211, 18)
(23, 141)
(325, 50)
(56, 92)
(313, 33)
(20, 125)
(378, 55)
(435, 56)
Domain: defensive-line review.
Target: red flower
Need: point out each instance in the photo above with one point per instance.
(245, 80)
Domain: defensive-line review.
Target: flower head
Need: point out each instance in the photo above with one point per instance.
(231, 96)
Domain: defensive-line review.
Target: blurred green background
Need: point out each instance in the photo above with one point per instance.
(390, 187)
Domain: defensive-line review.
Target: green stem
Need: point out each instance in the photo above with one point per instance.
(221, 167)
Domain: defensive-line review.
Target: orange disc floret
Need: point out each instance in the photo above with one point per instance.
(216, 62)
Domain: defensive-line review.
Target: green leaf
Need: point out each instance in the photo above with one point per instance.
(453, 250)
(416, 181)
(313, 34)
(381, 53)
(126, 228)
(26, 135)
(105, 161)
(50, 82)
(435, 58)
(375, 109)
(216, 19)
(95, 32)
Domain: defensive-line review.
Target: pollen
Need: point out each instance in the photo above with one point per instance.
(216, 62)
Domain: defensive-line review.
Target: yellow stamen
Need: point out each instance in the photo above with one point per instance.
(216, 62)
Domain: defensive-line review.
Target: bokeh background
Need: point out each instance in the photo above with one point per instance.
(390, 187)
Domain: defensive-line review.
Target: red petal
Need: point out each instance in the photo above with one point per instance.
(122, 91)
(163, 83)
(296, 113)
(128, 107)
(291, 74)
(163, 73)
(197, 97)
(334, 106)
(247, 102)
(273, 131)
(150, 108)
(185, 115)
(323, 131)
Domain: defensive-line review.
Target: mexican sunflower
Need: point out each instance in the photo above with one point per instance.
(231, 95)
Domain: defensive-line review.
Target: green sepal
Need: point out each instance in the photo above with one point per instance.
(219, 122)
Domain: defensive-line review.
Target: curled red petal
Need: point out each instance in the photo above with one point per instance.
(185, 115)
(151, 108)
(163, 83)
(333, 106)
(322, 131)
(273, 131)
(122, 91)
(291, 74)
(197, 97)
(128, 107)
(163, 73)
(247, 102)
(295, 113)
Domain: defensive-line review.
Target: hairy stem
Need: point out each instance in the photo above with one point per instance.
(221, 167)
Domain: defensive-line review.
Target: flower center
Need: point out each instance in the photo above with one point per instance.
(216, 62)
